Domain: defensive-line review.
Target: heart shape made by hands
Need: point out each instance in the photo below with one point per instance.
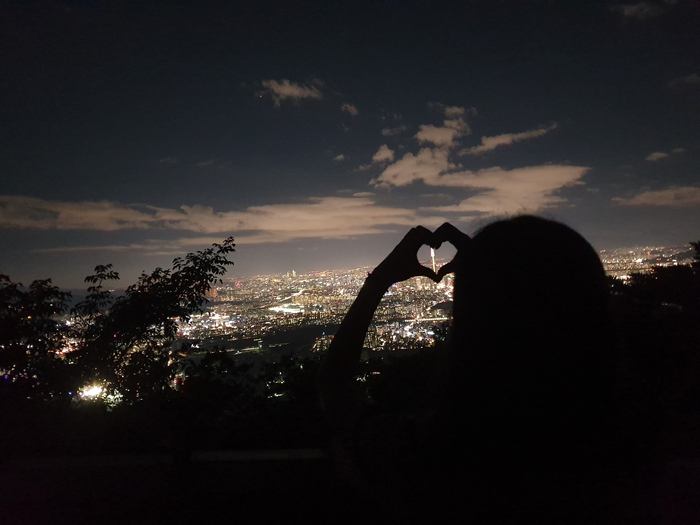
(402, 263)
(461, 241)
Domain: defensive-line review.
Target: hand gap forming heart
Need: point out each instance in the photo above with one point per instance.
(402, 263)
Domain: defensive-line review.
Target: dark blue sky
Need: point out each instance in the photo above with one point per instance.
(132, 132)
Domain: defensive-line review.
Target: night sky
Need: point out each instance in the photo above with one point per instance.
(317, 134)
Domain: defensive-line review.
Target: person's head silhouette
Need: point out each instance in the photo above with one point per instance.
(529, 383)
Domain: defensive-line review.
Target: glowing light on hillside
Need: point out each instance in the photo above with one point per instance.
(92, 391)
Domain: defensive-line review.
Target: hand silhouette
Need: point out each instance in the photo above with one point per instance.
(448, 233)
(402, 263)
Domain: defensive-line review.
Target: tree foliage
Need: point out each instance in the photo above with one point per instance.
(30, 336)
(121, 344)
(696, 256)
(125, 343)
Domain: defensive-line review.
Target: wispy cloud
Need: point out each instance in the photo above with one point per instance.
(453, 127)
(493, 190)
(640, 10)
(518, 190)
(150, 247)
(691, 79)
(349, 108)
(657, 155)
(438, 135)
(286, 90)
(452, 111)
(339, 157)
(34, 213)
(500, 191)
(676, 197)
(435, 196)
(104, 248)
(391, 132)
(427, 165)
(328, 217)
(491, 143)
(383, 154)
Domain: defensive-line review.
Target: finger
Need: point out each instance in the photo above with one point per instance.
(420, 235)
(427, 237)
(427, 272)
(447, 232)
(450, 267)
(444, 231)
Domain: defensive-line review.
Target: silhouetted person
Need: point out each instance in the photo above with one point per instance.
(523, 427)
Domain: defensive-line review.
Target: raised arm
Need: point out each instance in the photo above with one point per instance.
(340, 398)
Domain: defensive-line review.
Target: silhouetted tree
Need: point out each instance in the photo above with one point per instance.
(30, 337)
(696, 256)
(125, 343)
(667, 286)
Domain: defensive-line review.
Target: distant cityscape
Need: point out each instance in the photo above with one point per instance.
(625, 261)
(245, 313)
(300, 312)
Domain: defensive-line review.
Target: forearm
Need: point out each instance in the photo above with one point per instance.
(347, 343)
(339, 398)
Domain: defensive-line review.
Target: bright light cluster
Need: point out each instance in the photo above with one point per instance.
(91, 391)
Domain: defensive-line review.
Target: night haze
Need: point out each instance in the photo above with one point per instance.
(318, 134)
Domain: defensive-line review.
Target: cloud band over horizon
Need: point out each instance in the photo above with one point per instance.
(324, 217)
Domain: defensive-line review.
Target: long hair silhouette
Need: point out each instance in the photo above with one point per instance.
(528, 411)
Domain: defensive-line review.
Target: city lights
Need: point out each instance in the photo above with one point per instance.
(91, 391)
(258, 307)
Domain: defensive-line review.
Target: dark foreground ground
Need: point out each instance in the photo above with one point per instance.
(245, 487)
(226, 487)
